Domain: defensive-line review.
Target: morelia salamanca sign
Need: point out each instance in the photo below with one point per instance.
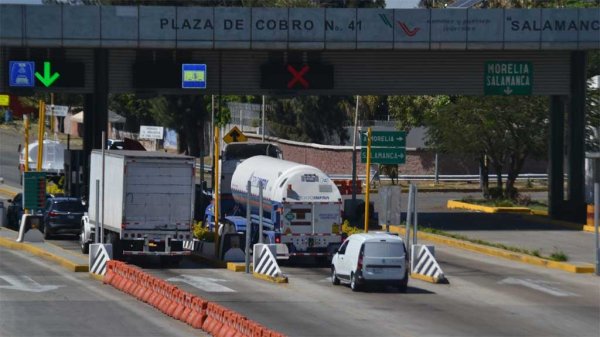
(298, 28)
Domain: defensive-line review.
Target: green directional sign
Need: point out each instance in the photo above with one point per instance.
(48, 77)
(34, 190)
(508, 78)
(384, 155)
(385, 138)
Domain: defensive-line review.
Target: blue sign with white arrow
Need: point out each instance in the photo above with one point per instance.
(21, 74)
(193, 76)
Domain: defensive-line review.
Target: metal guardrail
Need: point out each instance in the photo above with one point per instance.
(419, 177)
(444, 177)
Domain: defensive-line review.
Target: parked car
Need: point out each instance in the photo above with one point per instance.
(371, 259)
(14, 211)
(62, 215)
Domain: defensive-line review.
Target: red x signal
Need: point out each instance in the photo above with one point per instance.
(298, 76)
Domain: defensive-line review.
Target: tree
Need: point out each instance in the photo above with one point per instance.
(315, 119)
(507, 130)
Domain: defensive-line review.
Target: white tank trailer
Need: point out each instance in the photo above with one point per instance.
(302, 203)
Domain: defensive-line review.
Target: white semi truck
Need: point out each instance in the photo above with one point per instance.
(301, 204)
(148, 203)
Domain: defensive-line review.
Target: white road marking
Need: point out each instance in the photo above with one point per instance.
(203, 283)
(26, 283)
(538, 285)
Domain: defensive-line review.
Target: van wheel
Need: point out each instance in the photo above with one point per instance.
(334, 279)
(85, 246)
(353, 284)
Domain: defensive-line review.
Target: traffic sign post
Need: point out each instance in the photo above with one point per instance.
(21, 74)
(34, 190)
(508, 78)
(235, 136)
(387, 147)
(385, 155)
(385, 139)
(193, 76)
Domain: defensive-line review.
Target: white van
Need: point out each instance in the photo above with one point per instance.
(371, 258)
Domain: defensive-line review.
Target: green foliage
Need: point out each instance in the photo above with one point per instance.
(559, 255)
(202, 233)
(309, 118)
(349, 229)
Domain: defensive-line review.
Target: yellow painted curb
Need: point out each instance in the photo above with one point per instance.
(425, 278)
(8, 193)
(44, 254)
(539, 212)
(590, 229)
(97, 277)
(454, 204)
(237, 267)
(270, 278)
(500, 252)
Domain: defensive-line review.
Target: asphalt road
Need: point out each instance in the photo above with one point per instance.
(485, 297)
(40, 299)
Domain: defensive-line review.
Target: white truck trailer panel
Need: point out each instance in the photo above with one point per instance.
(146, 193)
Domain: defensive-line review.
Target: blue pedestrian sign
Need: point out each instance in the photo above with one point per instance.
(193, 76)
(21, 73)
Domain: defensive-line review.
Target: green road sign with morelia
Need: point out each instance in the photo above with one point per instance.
(508, 78)
(384, 155)
(34, 190)
(384, 138)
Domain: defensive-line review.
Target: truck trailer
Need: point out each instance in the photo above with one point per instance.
(301, 204)
(148, 202)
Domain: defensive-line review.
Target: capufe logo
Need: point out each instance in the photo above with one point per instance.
(408, 31)
(554, 25)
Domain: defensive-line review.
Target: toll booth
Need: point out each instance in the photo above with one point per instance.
(74, 169)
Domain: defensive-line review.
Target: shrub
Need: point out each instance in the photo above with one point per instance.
(202, 233)
(349, 229)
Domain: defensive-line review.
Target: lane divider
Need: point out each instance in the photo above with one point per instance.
(181, 305)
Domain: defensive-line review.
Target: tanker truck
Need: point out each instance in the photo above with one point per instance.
(301, 204)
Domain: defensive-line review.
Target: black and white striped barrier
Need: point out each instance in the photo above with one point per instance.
(424, 265)
(265, 262)
(99, 255)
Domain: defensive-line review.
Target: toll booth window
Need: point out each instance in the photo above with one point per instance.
(301, 213)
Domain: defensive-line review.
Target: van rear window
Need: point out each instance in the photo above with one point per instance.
(383, 249)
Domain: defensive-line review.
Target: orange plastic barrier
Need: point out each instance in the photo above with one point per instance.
(193, 310)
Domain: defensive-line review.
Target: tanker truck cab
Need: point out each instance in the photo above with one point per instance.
(300, 201)
(233, 154)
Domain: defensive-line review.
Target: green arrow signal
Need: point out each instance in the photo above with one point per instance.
(47, 79)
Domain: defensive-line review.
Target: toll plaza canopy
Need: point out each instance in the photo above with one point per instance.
(97, 50)
(298, 28)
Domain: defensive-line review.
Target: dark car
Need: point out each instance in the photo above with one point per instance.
(62, 215)
(14, 211)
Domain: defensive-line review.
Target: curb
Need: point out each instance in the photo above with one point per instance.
(270, 278)
(571, 268)
(454, 204)
(8, 193)
(426, 278)
(97, 277)
(590, 229)
(237, 267)
(70, 266)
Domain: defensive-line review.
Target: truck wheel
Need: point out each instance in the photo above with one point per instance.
(334, 279)
(85, 245)
(353, 283)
